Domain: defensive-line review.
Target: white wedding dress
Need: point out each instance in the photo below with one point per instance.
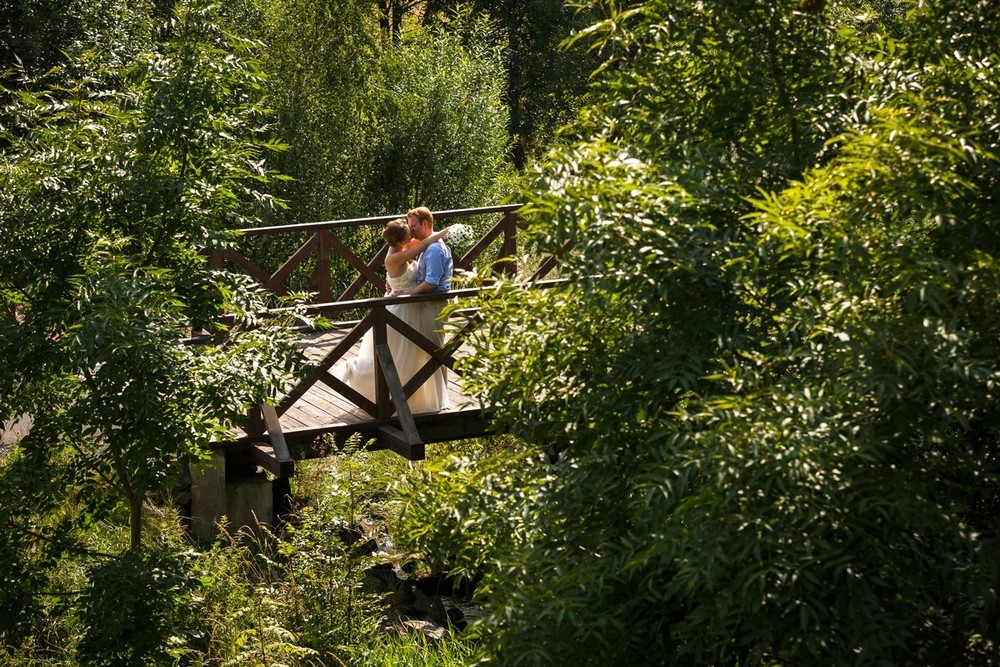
(359, 372)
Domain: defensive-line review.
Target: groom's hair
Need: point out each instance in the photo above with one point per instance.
(395, 231)
(423, 214)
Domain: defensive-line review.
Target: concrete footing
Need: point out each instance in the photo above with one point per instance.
(246, 500)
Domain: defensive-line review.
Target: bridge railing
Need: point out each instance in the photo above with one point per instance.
(323, 250)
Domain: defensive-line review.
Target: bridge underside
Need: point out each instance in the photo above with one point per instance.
(322, 440)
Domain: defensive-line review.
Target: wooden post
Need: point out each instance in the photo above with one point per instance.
(321, 275)
(383, 408)
(508, 250)
(405, 442)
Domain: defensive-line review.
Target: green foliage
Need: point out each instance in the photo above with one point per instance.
(438, 129)
(412, 651)
(301, 597)
(373, 125)
(244, 606)
(297, 597)
(319, 56)
(36, 35)
(109, 196)
(486, 494)
(376, 125)
(546, 82)
(772, 380)
(134, 605)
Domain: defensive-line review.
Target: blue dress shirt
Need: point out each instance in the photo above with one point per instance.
(436, 267)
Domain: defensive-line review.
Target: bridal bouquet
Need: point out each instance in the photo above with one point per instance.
(460, 236)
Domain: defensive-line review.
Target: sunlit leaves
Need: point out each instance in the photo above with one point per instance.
(438, 132)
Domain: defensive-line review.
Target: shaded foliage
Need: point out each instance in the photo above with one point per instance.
(136, 608)
(772, 380)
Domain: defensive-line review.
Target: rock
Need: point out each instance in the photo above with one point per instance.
(421, 603)
(456, 618)
(437, 613)
(429, 629)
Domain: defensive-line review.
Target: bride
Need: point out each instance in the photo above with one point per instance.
(401, 271)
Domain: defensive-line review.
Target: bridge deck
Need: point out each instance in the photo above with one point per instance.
(322, 419)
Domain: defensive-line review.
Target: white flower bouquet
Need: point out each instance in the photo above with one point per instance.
(460, 237)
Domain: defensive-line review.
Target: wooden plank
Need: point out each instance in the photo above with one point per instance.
(551, 262)
(254, 271)
(379, 220)
(411, 334)
(506, 264)
(335, 355)
(377, 261)
(263, 455)
(465, 261)
(349, 392)
(284, 466)
(452, 425)
(383, 396)
(306, 249)
(364, 269)
(326, 399)
(322, 404)
(392, 438)
(320, 280)
(307, 409)
(437, 359)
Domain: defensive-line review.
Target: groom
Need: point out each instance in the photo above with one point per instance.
(435, 266)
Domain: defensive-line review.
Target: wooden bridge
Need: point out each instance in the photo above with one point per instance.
(321, 412)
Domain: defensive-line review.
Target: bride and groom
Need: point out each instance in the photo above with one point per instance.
(409, 239)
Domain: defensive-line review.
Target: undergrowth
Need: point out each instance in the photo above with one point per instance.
(295, 596)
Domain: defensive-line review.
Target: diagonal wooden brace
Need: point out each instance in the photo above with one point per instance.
(273, 457)
(405, 441)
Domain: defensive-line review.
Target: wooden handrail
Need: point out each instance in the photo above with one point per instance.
(333, 307)
(377, 220)
(333, 256)
(387, 395)
(465, 292)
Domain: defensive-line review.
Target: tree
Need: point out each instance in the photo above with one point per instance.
(37, 35)
(392, 13)
(437, 129)
(112, 188)
(377, 123)
(771, 382)
(546, 82)
(320, 57)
